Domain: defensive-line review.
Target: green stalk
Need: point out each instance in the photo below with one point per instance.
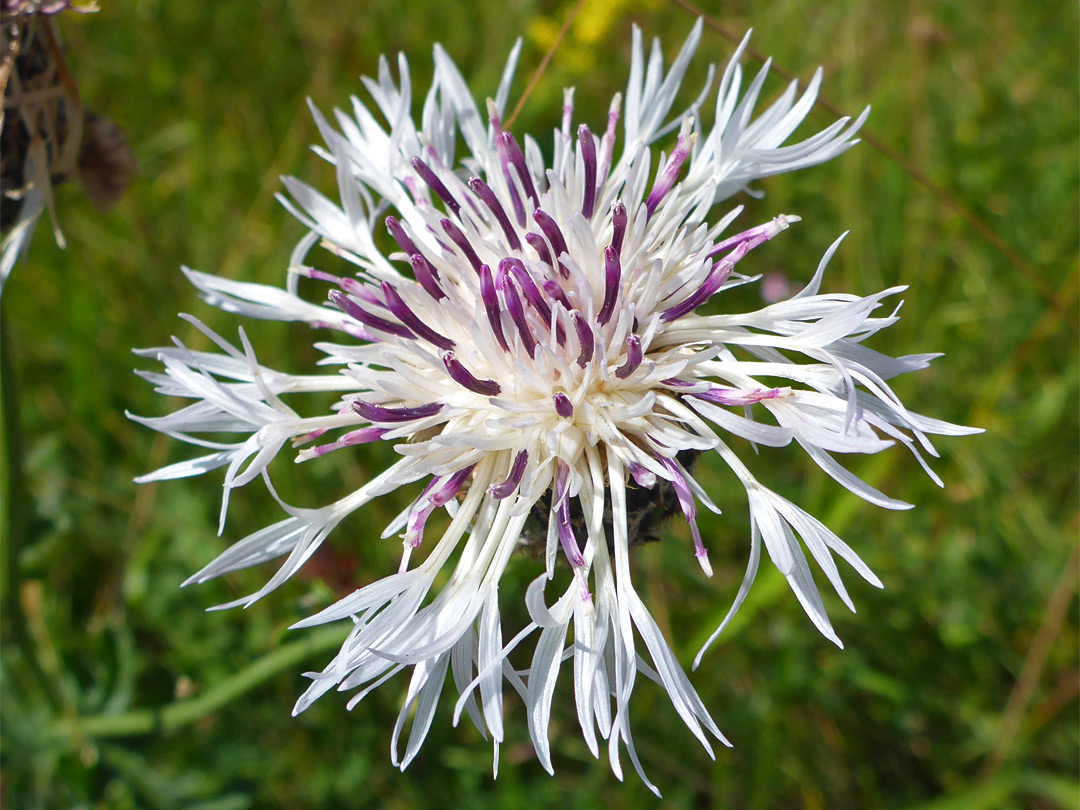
(16, 519)
(170, 718)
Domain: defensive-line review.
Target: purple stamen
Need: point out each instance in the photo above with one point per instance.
(458, 237)
(588, 156)
(720, 273)
(552, 288)
(361, 436)
(612, 279)
(618, 224)
(310, 437)
(429, 177)
(510, 485)
(607, 143)
(736, 396)
(665, 181)
(562, 519)
(318, 275)
(633, 357)
(675, 382)
(517, 313)
(689, 509)
(504, 163)
(585, 337)
(380, 413)
(438, 492)
(554, 235)
(491, 306)
(563, 406)
(425, 274)
(361, 291)
(398, 232)
(349, 329)
(355, 311)
(404, 314)
(537, 243)
(758, 235)
(528, 286)
(421, 511)
(517, 160)
(462, 376)
(487, 196)
(532, 294)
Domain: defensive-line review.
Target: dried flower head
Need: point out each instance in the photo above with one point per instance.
(534, 353)
(46, 136)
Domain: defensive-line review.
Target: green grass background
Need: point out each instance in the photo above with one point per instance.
(958, 686)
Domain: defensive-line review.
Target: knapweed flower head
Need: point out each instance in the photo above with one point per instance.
(535, 355)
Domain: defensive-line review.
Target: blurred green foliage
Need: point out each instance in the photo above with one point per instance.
(979, 611)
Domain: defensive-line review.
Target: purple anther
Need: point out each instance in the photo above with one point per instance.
(755, 236)
(585, 337)
(398, 232)
(612, 280)
(402, 312)
(438, 492)
(553, 234)
(607, 143)
(737, 396)
(552, 288)
(517, 160)
(319, 275)
(688, 506)
(563, 406)
(665, 181)
(588, 157)
(721, 272)
(425, 274)
(504, 163)
(491, 306)
(517, 312)
(355, 311)
(642, 475)
(487, 196)
(312, 436)
(633, 357)
(458, 237)
(354, 437)
(528, 286)
(429, 177)
(675, 382)
(350, 329)
(361, 291)
(462, 376)
(618, 224)
(380, 413)
(446, 491)
(537, 243)
(510, 485)
(562, 520)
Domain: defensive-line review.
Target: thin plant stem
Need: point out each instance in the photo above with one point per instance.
(175, 716)
(535, 78)
(16, 520)
(1020, 697)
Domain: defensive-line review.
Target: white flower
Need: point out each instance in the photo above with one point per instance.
(534, 354)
